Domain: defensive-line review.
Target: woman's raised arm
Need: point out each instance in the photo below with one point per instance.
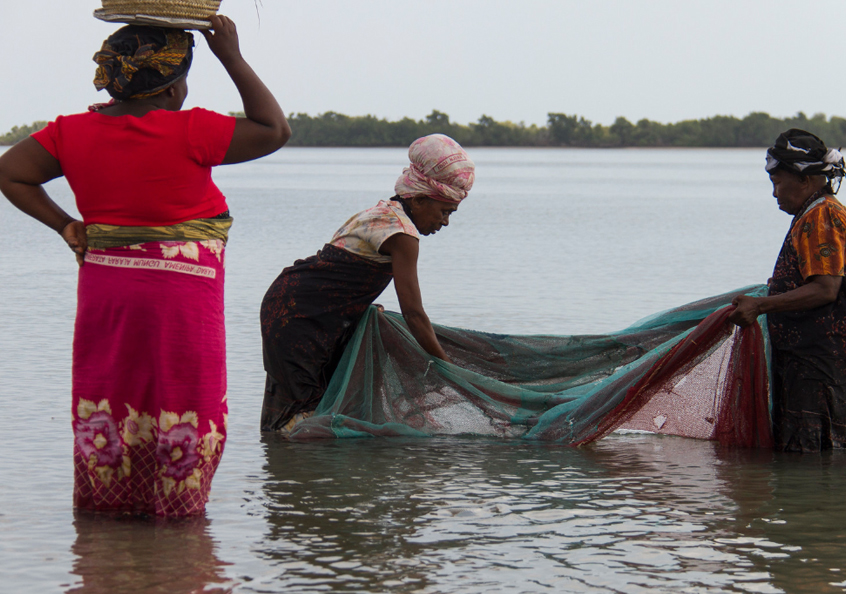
(403, 250)
(265, 128)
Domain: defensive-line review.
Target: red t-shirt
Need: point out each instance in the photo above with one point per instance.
(148, 171)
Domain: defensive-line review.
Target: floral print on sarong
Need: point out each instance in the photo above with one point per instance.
(169, 454)
(149, 377)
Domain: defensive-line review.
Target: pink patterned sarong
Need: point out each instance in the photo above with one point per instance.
(149, 377)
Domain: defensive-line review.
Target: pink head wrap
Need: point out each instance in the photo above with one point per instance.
(439, 169)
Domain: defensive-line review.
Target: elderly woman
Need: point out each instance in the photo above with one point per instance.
(312, 308)
(806, 302)
(149, 371)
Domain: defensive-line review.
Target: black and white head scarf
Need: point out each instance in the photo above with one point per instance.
(802, 153)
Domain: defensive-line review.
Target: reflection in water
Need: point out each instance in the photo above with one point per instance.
(791, 518)
(632, 513)
(115, 554)
(344, 515)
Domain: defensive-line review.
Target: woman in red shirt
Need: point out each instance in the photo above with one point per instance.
(149, 369)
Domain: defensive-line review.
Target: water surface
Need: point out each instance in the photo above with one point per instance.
(549, 241)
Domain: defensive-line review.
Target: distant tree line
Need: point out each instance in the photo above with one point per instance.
(20, 132)
(754, 130)
(336, 129)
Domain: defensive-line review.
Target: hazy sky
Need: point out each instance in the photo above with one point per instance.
(512, 60)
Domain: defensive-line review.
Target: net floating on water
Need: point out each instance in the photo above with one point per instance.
(183, 14)
(687, 371)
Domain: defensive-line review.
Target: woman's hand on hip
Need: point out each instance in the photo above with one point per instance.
(74, 235)
(24, 169)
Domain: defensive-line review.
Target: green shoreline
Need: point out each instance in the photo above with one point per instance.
(332, 129)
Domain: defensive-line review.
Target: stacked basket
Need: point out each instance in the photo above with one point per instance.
(185, 14)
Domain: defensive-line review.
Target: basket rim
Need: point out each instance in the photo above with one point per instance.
(152, 20)
(139, 18)
(141, 4)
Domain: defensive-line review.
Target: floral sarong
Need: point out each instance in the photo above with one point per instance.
(149, 377)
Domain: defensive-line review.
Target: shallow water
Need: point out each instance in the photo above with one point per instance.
(550, 241)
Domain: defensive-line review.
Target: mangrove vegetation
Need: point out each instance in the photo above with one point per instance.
(20, 132)
(561, 130)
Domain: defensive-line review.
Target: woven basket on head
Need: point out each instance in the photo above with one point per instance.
(185, 14)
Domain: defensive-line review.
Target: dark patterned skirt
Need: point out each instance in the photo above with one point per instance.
(308, 315)
(809, 402)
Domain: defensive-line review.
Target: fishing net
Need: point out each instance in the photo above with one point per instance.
(686, 371)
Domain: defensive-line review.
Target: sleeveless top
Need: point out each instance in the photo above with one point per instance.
(364, 233)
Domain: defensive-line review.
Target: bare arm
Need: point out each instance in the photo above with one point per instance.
(265, 129)
(403, 250)
(818, 291)
(23, 170)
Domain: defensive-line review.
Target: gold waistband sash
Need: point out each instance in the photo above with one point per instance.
(109, 236)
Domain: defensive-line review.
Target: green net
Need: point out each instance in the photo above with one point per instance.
(686, 371)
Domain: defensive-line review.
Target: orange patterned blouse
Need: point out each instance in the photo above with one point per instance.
(819, 238)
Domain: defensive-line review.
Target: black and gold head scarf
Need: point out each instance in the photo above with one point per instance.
(803, 153)
(139, 61)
